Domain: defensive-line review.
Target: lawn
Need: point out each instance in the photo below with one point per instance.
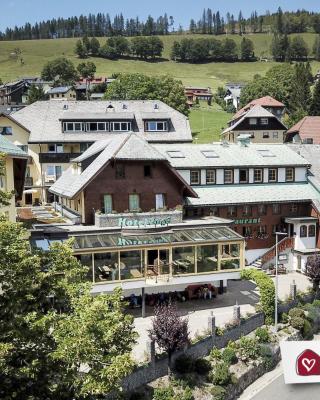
(37, 52)
(207, 122)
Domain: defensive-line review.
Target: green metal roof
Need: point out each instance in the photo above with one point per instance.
(9, 148)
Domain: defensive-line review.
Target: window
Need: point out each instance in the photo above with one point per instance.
(264, 121)
(175, 154)
(253, 121)
(294, 208)
(54, 171)
(51, 170)
(103, 126)
(210, 176)
(210, 154)
(134, 202)
(258, 175)
(72, 126)
(84, 147)
(265, 153)
(272, 174)
(2, 182)
(307, 141)
(247, 231)
(275, 135)
(160, 201)
(23, 147)
(246, 210)
(265, 135)
(228, 176)
(195, 177)
(156, 126)
(312, 231)
(214, 211)
(276, 208)
(303, 231)
(58, 171)
(262, 209)
(55, 148)
(92, 127)
(120, 171)
(147, 171)
(289, 174)
(121, 126)
(5, 130)
(232, 211)
(243, 175)
(107, 203)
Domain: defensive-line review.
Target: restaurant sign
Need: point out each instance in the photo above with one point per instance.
(247, 221)
(125, 222)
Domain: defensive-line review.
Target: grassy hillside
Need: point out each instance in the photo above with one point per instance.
(207, 122)
(36, 53)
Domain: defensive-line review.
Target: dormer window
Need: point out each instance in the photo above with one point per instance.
(264, 121)
(120, 126)
(72, 127)
(156, 126)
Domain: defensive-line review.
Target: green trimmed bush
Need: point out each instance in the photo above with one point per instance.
(163, 393)
(186, 395)
(284, 318)
(297, 323)
(262, 334)
(218, 392)
(229, 356)
(202, 366)
(307, 331)
(221, 375)
(248, 348)
(215, 354)
(184, 364)
(267, 291)
(296, 312)
(266, 355)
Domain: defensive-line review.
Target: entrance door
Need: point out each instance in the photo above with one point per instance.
(157, 262)
(299, 263)
(28, 198)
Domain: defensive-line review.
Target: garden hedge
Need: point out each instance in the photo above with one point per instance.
(267, 291)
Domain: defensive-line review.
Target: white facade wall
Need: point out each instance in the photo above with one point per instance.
(203, 177)
(301, 174)
(281, 174)
(219, 177)
(265, 175)
(236, 176)
(251, 175)
(302, 243)
(185, 173)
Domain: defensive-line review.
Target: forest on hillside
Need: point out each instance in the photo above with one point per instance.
(210, 22)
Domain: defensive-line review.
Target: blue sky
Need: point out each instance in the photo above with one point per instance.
(17, 12)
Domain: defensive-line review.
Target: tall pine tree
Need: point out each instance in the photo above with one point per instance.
(315, 103)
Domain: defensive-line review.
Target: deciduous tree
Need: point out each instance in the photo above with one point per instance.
(313, 272)
(61, 71)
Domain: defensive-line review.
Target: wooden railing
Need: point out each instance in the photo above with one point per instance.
(284, 244)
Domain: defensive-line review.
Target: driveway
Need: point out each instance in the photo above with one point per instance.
(244, 293)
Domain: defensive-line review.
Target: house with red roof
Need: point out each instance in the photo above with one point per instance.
(269, 103)
(306, 131)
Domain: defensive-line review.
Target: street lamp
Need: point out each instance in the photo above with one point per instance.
(276, 283)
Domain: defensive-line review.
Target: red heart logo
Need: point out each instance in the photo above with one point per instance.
(308, 363)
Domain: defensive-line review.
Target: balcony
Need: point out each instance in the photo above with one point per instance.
(57, 157)
(28, 181)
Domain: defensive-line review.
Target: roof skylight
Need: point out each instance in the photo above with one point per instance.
(175, 154)
(210, 154)
(266, 153)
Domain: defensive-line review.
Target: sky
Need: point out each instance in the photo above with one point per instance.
(17, 12)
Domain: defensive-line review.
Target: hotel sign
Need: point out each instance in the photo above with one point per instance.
(125, 222)
(247, 221)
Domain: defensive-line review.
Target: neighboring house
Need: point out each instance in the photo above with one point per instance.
(97, 96)
(262, 125)
(87, 85)
(307, 130)
(62, 92)
(233, 93)
(16, 93)
(195, 94)
(56, 132)
(13, 180)
(269, 103)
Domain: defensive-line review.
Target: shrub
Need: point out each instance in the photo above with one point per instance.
(307, 331)
(202, 366)
(218, 392)
(263, 335)
(163, 393)
(186, 395)
(266, 355)
(221, 375)
(284, 318)
(184, 364)
(219, 331)
(215, 354)
(229, 356)
(297, 323)
(267, 291)
(248, 348)
(316, 303)
(296, 312)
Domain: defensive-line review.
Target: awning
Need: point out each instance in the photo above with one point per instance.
(29, 191)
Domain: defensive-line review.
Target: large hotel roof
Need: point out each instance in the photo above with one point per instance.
(262, 193)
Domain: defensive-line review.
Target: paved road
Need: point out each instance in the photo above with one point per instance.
(277, 389)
